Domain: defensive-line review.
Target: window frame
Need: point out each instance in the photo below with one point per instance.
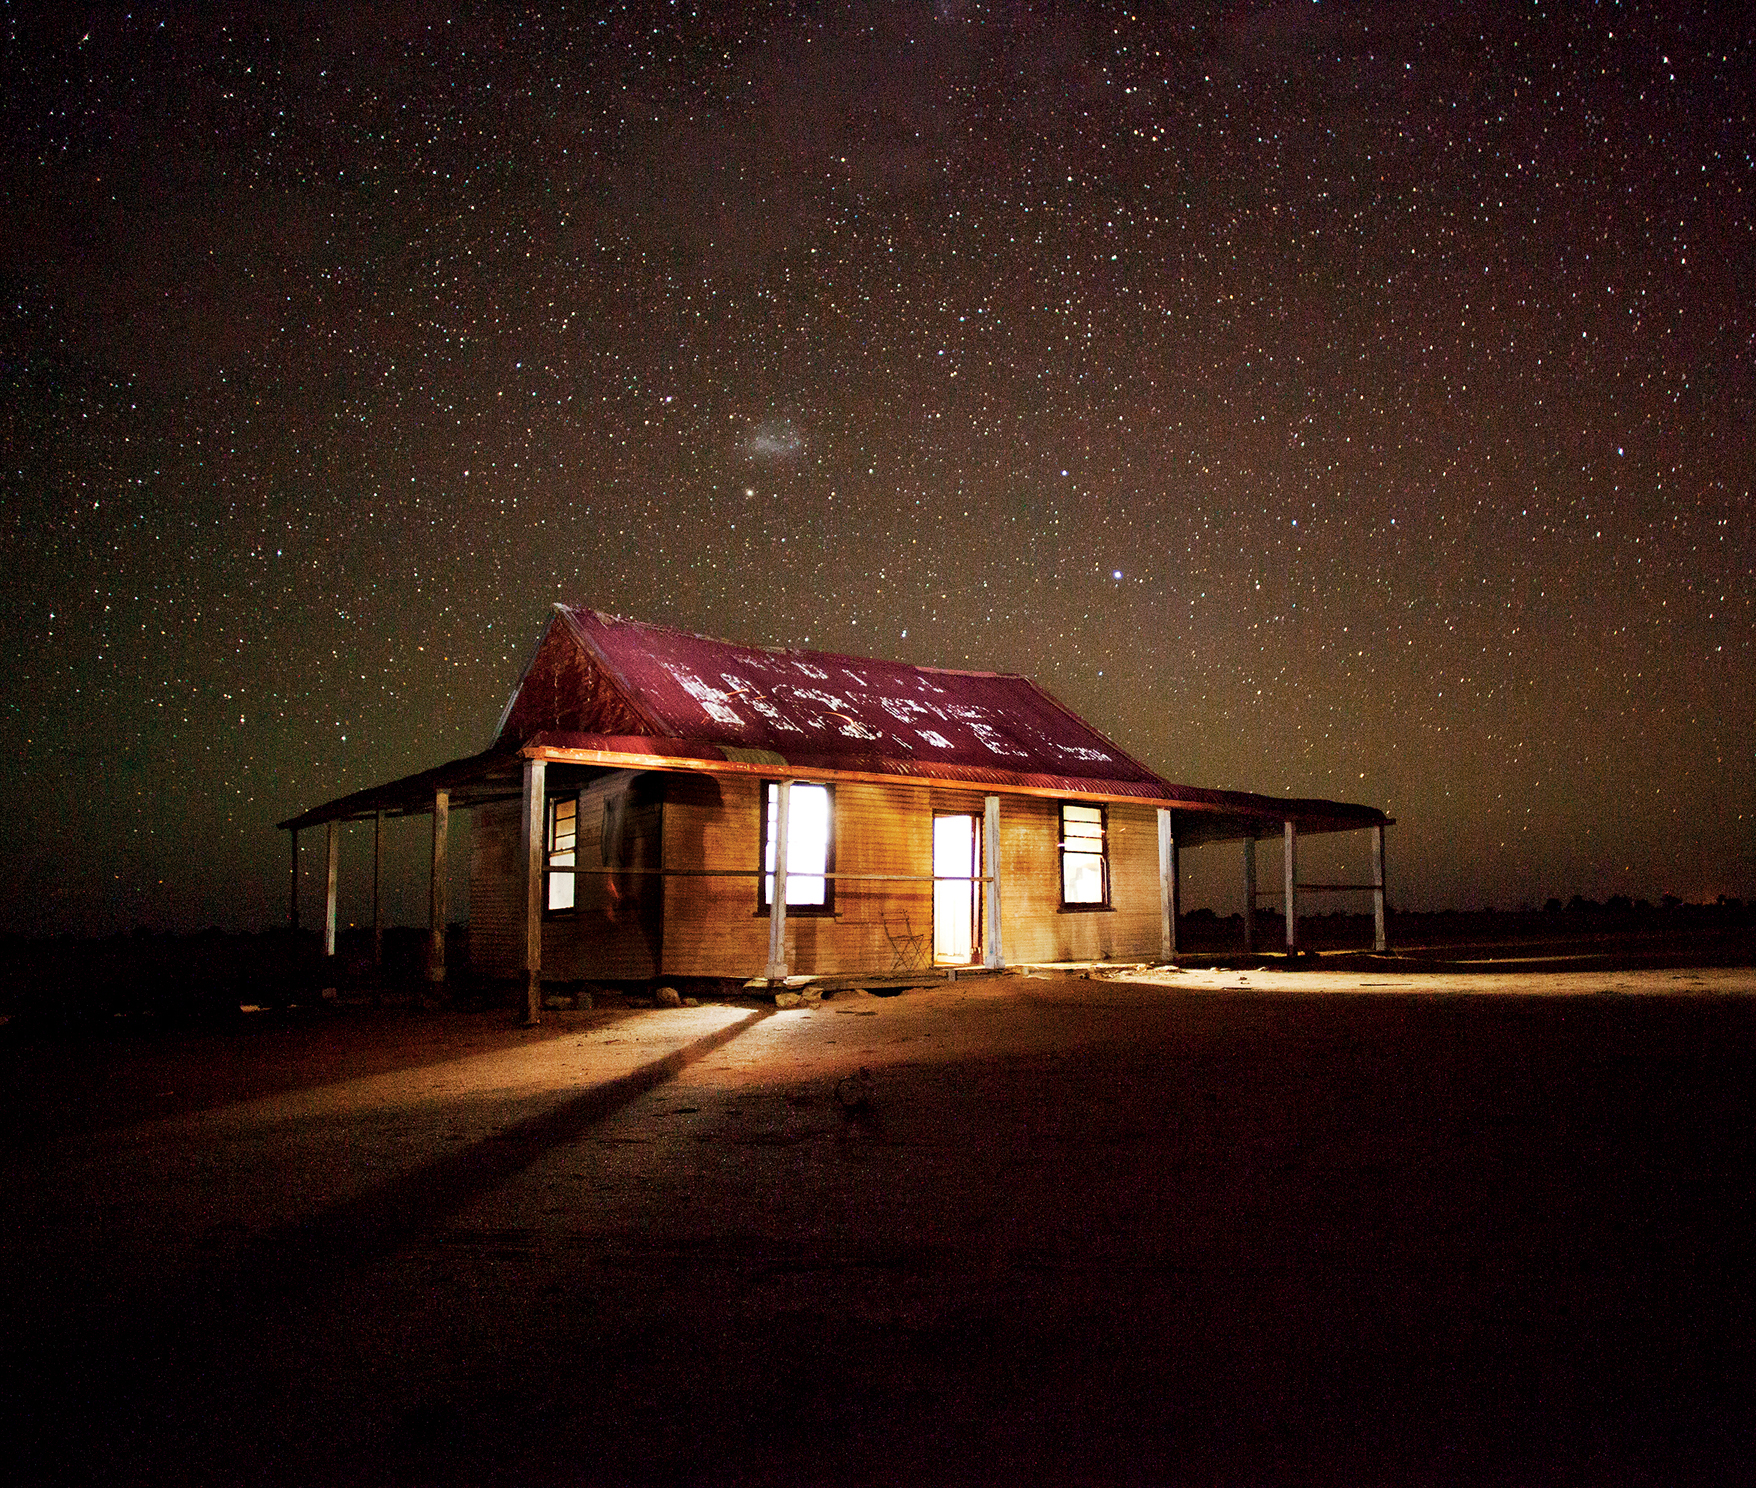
(551, 813)
(1079, 906)
(826, 909)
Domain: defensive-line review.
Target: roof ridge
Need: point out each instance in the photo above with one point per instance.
(839, 656)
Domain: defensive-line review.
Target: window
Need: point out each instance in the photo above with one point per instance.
(810, 841)
(1085, 869)
(563, 838)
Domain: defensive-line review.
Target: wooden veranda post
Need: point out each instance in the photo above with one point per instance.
(1379, 940)
(776, 971)
(1170, 890)
(993, 954)
(293, 893)
(437, 889)
(1289, 862)
(535, 832)
(1250, 895)
(332, 855)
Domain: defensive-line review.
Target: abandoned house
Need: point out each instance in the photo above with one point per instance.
(657, 803)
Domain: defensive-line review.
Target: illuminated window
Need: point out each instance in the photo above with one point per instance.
(563, 838)
(810, 842)
(1085, 869)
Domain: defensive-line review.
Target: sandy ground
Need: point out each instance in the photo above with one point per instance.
(1202, 1226)
(1483, 979)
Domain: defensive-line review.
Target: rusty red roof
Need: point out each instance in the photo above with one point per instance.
(612, 692)
(594, 673)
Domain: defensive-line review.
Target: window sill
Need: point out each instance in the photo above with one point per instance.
(1087, 909)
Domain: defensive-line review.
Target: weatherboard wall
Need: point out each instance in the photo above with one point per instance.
(713, 923)
(1034, 927)
(496, 890)
(701, 916)
(614, 929)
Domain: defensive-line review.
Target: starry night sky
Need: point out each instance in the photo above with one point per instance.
(1350, 400)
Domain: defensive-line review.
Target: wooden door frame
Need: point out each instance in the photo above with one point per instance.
(978, 902)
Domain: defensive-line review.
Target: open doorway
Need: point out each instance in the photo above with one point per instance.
(957, 897)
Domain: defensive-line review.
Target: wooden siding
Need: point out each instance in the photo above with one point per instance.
(711, 924)
(966, 801)
(883, 829)
(1034, 927)
(496, 891)
(613, 931)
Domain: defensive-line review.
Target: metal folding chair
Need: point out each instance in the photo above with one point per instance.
(908, 947)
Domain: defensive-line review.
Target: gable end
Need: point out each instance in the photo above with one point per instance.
(565, 690)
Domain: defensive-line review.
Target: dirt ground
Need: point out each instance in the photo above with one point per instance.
(1204, 1226)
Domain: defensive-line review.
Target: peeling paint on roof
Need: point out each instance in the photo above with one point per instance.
(613, 693)
(792, 703)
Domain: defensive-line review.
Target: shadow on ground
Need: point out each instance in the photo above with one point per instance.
(1083, 1232)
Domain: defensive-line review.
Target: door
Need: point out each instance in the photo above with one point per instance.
(957, 899)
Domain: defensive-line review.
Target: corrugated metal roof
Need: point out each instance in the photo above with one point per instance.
(835, 711)
(617, 693)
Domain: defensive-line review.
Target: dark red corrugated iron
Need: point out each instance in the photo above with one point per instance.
(625, 690)
(840, 711)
